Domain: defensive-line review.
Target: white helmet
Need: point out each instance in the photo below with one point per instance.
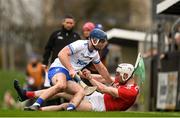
(126, 70)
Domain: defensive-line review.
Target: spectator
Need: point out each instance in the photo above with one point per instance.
(59, 39)
(86, 29)
(35, 74)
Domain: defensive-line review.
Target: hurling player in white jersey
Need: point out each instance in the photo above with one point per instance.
(71, 59)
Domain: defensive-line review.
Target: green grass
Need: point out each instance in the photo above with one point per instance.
(16, 113)
(6, 82)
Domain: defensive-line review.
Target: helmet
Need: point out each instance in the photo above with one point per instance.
(99, 26)
(88, 26)
(98, 34)
(126, 70)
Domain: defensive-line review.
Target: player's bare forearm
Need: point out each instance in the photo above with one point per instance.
(103, 72)
(98, 77)
(101, 87)
(105, 89)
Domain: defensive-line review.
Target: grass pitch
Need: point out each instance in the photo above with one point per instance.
(29, 114)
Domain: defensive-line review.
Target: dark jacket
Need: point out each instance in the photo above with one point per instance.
(58, 40)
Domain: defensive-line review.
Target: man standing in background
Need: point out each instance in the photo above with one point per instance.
(59, 39)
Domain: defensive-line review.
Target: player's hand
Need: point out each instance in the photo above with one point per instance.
(72, 73)
(87, 74)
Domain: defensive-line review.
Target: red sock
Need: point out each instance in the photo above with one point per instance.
(30, 94)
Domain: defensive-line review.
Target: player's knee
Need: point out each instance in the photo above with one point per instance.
(60, 87)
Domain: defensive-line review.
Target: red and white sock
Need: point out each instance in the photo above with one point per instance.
(30, 94)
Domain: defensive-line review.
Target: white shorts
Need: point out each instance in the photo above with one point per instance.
(97, 101)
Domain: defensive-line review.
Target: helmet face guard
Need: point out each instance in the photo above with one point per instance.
(97, 41)
(126, 71)
(94, 43)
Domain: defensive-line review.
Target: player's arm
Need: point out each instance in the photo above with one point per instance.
(104, 89)
(64, 57)
(103, 72)
(99, 78)
(85, 73)
(95, 81)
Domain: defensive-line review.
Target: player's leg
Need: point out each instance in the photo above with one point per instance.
(83, 106)
(77, 90)
(59, 85)
(60, 107)
(64, 95)
(73, 88)
(24, 94)
(55, 107)
(59, 82)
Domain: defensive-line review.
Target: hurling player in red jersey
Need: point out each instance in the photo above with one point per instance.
(120, 96)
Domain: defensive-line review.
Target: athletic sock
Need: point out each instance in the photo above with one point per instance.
(30, 94)
(71, 107)
(39, 102)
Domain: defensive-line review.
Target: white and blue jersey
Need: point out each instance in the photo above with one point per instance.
(80, 57)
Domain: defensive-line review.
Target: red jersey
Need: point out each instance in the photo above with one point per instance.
(127, 97)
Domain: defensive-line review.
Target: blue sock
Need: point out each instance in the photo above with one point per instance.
(39, 102)
(70, 107)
